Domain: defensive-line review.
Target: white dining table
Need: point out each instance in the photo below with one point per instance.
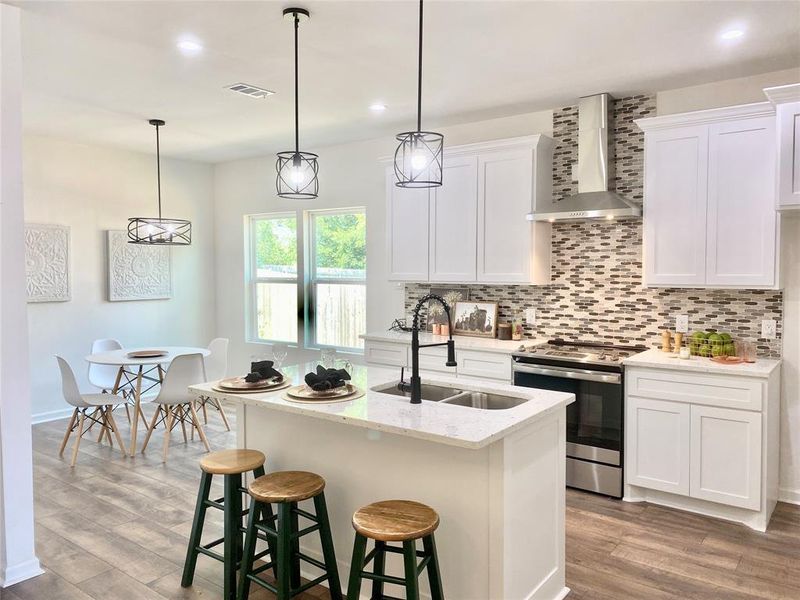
(140, 375)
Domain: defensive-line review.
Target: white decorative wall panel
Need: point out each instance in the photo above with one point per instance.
(47, 263)
(137, 271)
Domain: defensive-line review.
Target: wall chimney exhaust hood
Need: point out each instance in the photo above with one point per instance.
(594, 200)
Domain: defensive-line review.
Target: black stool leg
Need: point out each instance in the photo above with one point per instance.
(434, 576)
(284, 550)
(197, 529)
(357, 564)
(232, 537)
(237, 511)
(295, 555)
(410, 562)
(326, 537)
(249, 551)
(379, 568)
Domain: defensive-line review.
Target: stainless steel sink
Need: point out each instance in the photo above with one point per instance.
(434, 393)
(485, 401)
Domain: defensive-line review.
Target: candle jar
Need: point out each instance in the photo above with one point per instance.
(436, 329)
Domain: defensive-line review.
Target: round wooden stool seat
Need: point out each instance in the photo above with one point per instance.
(232, 462)
(286, 486)
(395, 520)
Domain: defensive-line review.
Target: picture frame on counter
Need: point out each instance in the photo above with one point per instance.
(451, 295)
(477, 319)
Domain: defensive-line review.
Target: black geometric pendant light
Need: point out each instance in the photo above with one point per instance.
(159, 231)
(418, 158)
(297, 171)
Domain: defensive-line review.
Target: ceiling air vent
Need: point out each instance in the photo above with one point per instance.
(249, 90)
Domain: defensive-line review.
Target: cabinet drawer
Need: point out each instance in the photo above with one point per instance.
(378, 353)
(744, 393)
(433, 359)
(484, 364)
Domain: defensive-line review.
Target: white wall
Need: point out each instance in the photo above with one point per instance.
(93, 189)
(350, 175)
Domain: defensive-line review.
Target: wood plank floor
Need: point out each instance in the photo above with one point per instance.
(116, 528)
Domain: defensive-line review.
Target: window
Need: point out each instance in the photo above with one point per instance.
(320, 274)
(273, 277)
(338, 291)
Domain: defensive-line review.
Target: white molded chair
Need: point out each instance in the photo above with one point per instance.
(174, 404)
(216, 369)
(104, 377)
(97, 404)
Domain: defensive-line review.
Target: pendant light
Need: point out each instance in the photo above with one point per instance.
(297, 171)
(159, 231)
(418, 158)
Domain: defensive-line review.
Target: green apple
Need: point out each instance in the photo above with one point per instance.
(726, 337)
(715, 338)
(729, 349)
(699, 335)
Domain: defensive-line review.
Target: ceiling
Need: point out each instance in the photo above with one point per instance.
(96, 71)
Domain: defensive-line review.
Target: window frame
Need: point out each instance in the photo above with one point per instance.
(312, 280)
(305, 282)
(252, 279)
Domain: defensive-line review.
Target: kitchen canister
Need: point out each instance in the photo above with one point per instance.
(504, 331)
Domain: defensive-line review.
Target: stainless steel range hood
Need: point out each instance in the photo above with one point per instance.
(594, 200)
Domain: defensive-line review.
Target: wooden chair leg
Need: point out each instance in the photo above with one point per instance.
(113, 424)
(222, 414)
(182, 416)
(196, 424)
(142, 416)
(78, 439)
(170, 418)
(128, 412)
(151, 427)
(70, 426)
(205, 411)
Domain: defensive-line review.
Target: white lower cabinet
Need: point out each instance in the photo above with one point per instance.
(659, 445)
(472, 364)
(725, 463)
(684, 450)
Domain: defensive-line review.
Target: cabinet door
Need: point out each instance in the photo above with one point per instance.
(676, 167)
(407, 231)
(726, 456)
(657, 445)
(453, 228)
(742, 221)
(789, 155)
(504, 199)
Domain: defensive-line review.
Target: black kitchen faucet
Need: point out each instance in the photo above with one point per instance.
(415, 387)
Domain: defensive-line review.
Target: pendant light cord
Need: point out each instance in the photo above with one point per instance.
(158, 171)
(419, 73)
(296, 87)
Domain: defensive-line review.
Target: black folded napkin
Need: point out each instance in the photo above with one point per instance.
(326, 379)
(261, 370)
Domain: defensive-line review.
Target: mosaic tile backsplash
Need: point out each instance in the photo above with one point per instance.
(597, 291)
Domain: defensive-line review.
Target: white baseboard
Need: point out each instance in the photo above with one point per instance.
(52, 415)
(790, 496)
(15, 574)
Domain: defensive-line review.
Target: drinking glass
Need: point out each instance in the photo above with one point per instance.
(328, 358)
(279, 352)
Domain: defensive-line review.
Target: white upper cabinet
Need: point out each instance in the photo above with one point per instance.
(511, 248)
(454, 214)
(475, 227)
(675, 207)
(786, 99)
(709, 198)
(406, 231)
(741, 219)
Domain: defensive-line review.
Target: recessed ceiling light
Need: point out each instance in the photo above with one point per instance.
(377, 107)
(189, 47)
(732, 34)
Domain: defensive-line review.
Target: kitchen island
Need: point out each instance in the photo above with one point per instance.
(496, 477)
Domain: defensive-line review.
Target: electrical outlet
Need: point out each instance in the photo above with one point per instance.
(530, 316)
(574, 172)
(768, 329)
(682, 323)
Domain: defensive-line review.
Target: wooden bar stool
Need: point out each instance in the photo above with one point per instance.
(395, 521)
(282, 531)
(232, 464)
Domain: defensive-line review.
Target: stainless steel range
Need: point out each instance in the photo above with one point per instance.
(594, 373)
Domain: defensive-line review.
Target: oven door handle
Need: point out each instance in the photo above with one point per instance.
(584, 374)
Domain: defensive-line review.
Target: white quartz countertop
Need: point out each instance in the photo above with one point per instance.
(763, 367)
(463, 342)
(444, 423)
